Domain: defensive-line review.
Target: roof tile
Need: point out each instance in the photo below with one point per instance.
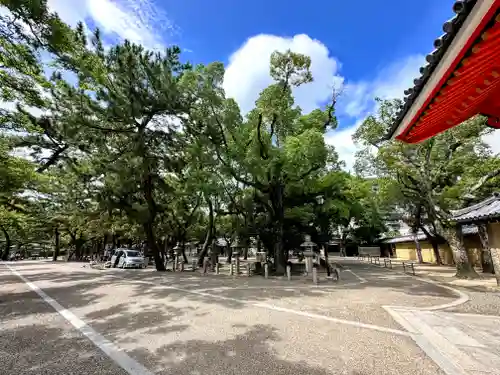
(487, 209)
(451, 27)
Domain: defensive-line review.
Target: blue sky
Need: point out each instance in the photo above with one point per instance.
(363, 35)
(372, 48)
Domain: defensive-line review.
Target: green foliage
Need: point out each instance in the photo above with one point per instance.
(135, 145)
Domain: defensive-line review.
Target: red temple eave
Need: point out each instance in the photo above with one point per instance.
(466, 82)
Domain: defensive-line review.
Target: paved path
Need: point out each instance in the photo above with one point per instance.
(460, 343)
(124, 320)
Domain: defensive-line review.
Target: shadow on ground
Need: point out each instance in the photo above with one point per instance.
(249, 353)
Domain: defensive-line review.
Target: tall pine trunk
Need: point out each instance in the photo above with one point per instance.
(485, 255)
(210, 232)
(153, 246)
(149, 225)
(279, 211)
(57, 245)
(454, 236)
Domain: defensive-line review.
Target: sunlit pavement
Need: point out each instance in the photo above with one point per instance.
(143, 322)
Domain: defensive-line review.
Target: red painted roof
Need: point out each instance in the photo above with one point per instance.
(469, 86)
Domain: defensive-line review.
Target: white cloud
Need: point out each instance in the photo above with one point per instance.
(493, 140)
(345, 147)
(358, 101)
(136, 20)
(248, 71)
(390, 83)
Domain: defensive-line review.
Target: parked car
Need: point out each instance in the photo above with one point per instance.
(126, 258)
(15, 256)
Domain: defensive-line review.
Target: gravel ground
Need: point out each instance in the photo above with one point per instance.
(173, 332)
(487, 303)
(36, 340)
(480, 301)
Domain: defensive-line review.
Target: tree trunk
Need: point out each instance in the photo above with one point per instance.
(418, 248)
(209, 236)
(229, 253)
(485, 255)
(279, 250)
(455, 239)
(325, 247)
(183, 250)
(104, 242)
(5, 253)
(57, 245)
(245, 249)
(435, 246)
(153, 246)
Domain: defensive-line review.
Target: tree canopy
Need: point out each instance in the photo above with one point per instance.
(106, 145)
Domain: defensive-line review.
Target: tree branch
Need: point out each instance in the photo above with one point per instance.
(53, 159)
(238, 178)
(483, 180)
(307, 173)
(262, 152)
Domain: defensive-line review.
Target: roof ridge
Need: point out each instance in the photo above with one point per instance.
(461, 8)
(494, 197)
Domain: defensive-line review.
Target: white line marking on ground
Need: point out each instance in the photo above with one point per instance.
(283, 309)
(362, 279)
(297, 312)
(111, 350)
(290, 288)
(331, 319)
(463, 298)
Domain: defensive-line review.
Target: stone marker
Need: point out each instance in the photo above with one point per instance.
(315, 275)
(194, 265)
(217, 268)
(236, 256)
(266, 271)
(231, 269)
(182, 266)
(289, 272)
(248, 269)
(176, 260)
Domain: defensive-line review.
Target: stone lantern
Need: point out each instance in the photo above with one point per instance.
(236, 246)
(177, 254)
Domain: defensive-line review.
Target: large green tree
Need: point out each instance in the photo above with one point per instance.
(271, 148)
(433, 177)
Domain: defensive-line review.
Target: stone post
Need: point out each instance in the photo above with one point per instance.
(217, 268)
(176, 261)
(289, 272)
(205, 265)
(315, 275)
(194, 264)
(309, 261)
(182, 266)
(248, 269)
(266, 270)
(236, 256)
(231, 270)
